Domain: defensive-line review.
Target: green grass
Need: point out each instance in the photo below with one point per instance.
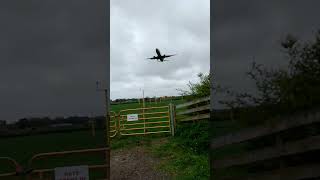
(178, 157)
(24, 147)
(181, 162)
(186, 154)
(120, 142)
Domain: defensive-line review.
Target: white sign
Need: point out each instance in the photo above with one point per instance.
(71, 173)
(132, 117)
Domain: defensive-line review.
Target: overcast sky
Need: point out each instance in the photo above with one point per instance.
(247, 29)
(51, 52)
(179, 27)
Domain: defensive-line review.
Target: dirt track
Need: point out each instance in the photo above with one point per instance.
(134, 163)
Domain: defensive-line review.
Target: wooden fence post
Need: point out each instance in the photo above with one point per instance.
(172, 118)
(93, 127)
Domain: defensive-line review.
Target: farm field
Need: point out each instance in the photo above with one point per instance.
(23, 148)
(118, 107)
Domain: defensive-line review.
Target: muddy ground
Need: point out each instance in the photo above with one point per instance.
(135, 163)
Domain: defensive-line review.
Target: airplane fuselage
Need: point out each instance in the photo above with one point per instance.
(159, 54)
(160, 57)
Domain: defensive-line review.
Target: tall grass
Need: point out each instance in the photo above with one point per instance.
(186, 154)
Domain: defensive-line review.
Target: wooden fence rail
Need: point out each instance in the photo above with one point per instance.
(184, 112)
(294, 149)
(264, 130)
(193, 102)
(279, 152)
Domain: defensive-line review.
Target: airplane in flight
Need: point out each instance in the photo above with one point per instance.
(160, 57)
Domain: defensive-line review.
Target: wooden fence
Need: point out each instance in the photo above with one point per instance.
(286, 147)
(198, 109)
(292, 154)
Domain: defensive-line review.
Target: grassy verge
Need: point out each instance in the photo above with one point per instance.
(180, 162)
(185, 156)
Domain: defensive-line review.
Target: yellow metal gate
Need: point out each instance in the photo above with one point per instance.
(32, 172)
(150, 120)
(113, 124)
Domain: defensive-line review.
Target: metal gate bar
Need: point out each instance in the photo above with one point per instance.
(147, 123)
(40, 172)
(14, 163)
(113, 124)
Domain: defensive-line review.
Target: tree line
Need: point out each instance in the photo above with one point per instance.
(284, 90)
(147, 99)
(44, 122)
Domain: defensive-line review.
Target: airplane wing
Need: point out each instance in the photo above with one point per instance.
(170, 55)
(153, 58)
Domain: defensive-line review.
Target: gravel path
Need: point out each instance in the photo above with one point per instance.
(135, 163)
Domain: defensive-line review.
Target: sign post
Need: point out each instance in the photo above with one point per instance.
(71, 172)
(132, 117)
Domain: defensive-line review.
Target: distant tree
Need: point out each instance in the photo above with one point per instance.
(197, 90)
(38, 121)
(3, 122)
(22, 123)
(293, 88)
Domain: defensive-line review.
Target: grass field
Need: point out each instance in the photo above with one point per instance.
(176, 154)
(23, 148)
(117, 108)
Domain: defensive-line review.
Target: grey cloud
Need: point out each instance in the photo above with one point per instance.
(244, 30)
(247, 29)
(170, 26)
(52, 52)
